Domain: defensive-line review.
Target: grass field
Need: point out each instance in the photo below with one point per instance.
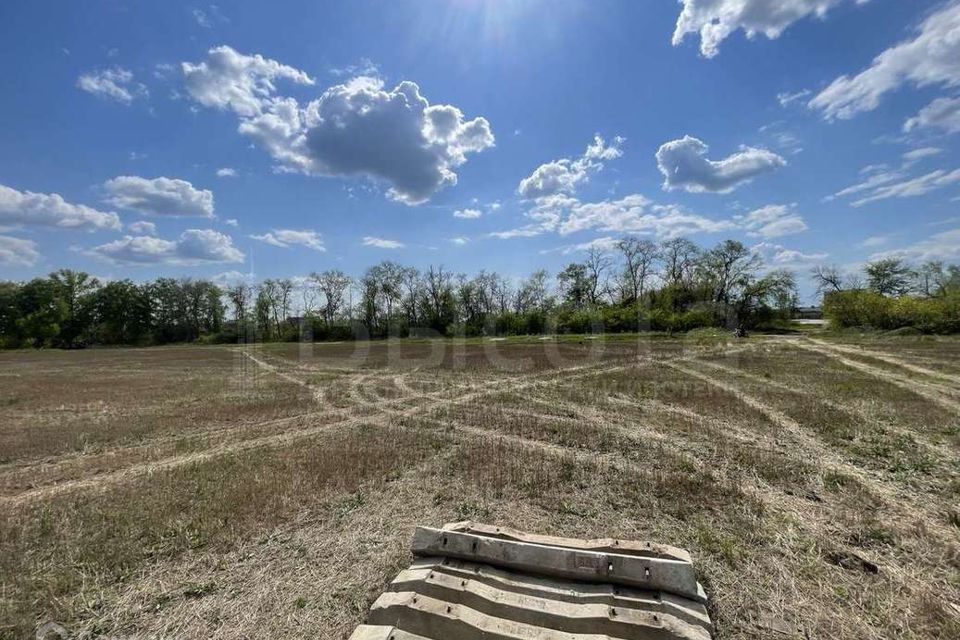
(272, 490)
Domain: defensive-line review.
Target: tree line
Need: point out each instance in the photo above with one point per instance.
(633, 285)
(891, 294)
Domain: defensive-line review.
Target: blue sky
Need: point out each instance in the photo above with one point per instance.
(144, 139)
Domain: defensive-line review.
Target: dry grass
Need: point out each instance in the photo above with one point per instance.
(198, 492)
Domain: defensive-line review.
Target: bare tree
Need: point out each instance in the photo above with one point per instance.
(639, 258)
(333, 284)
(532, 294)
(239, 296)
(597, 265)
(729, 267)
(680, 258)
(827, 278)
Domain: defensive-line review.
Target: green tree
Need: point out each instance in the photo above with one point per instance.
(888, 277)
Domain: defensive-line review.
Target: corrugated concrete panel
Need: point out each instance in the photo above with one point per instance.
(602, 545)
(371, 632)
(442, 621)
(579, 618)
(684, 609)
(672, 576)
(472, 581)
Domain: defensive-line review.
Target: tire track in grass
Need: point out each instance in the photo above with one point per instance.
(927, 390)
(480, 390)
(384, 417)
(829, 460)
(896, 361)
(940, 450)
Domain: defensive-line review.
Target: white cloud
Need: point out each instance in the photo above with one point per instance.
(382, 243)
(714, 20)
(354, 129)
(940, 246)
(786, 99)
(460, 240)
(942, 113)
(915, 155)
(873, 181)
(28, 209)
(285, 238)
(142, 228)
(605, 243)
(781, 257)
(637, 214)
(113, 84)
(194, 247)
(913, 187)
(684, 165)
(231, 80)
(880, 176)
(226, 172)
(931, 58)
(397, 136)
(159, 196)
(201, 17)
(631, 214)
(233, 278)
(467, 213)
(773, 221)
(18, 252)
(875, 241)
(231, 222)
(365, 67)
(565, 174)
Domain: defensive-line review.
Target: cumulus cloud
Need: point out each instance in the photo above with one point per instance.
(382, 243)
(565, 174)
(931, 58)
(142, 228)
(159, 196)
(467, 213)
(942, 114)
(233, 278)
(194, 247)
(355, 129)
(773, 221)
(781, 257)
(285, 238)
(714, 20)
(17, 252)
(28, 209)
(112, 84)
(460, 240)
(226, 172)
(940, 246)
(231, 80)
(684, 165)
(631, 214)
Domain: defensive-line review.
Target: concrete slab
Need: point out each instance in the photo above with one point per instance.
(672, 576)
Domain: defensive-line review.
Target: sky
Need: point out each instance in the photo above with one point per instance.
(142, 139)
